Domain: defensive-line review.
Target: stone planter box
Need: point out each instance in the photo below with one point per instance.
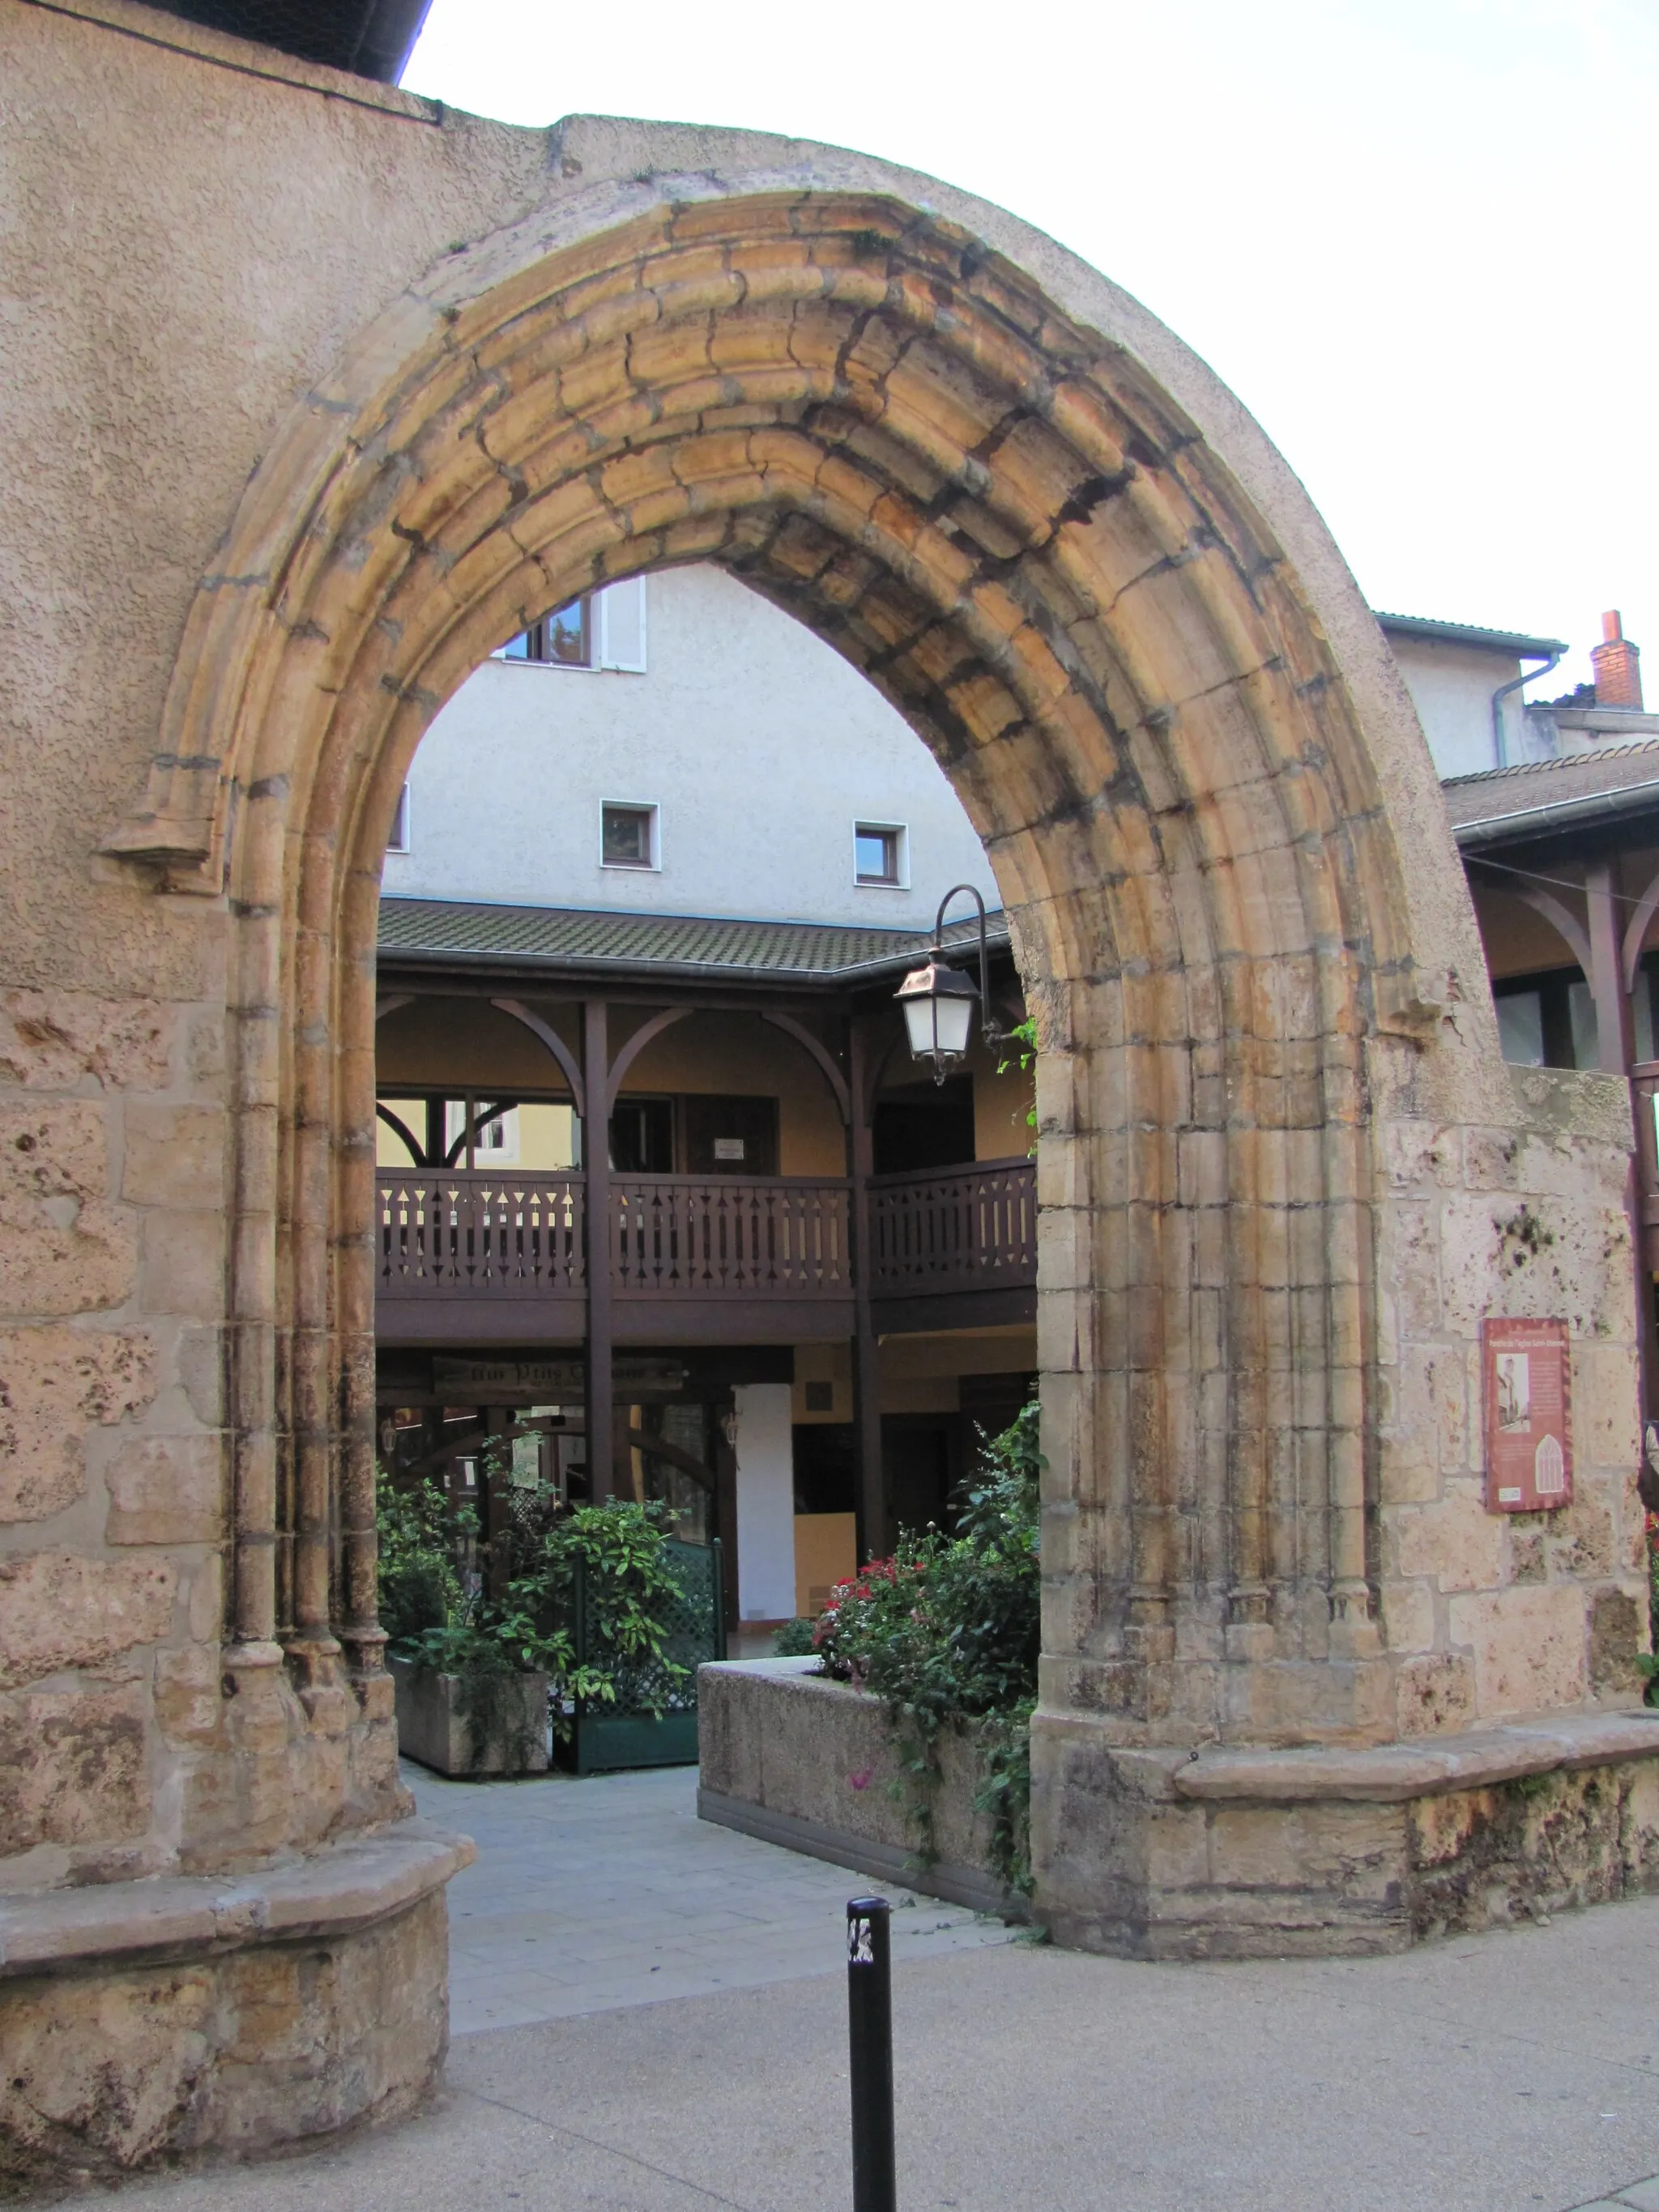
(788, 1755)
(431, 1730)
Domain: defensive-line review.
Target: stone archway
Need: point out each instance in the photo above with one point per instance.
(1009, 526)
(1281, 1161)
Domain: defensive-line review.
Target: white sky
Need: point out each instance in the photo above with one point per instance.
(1416, 237)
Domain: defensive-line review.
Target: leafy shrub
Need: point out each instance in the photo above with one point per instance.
(795, 1639)
(419, 1537)
(488, 1643)
(947, 1632)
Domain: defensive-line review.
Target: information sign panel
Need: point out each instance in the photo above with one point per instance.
(1528, 1415)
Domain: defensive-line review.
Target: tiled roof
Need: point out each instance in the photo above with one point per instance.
(1496, 641)
(443, 933)
(1528, 798)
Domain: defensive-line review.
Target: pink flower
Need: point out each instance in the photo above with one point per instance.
(863, 1779)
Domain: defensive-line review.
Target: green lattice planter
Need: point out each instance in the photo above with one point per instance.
(654, 1722)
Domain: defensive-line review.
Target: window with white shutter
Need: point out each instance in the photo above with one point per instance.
(620, 609)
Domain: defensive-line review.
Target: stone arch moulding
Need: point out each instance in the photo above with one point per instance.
(1015, 504)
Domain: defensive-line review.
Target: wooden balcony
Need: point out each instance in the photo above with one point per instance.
(487, 1256)
(955, 1250)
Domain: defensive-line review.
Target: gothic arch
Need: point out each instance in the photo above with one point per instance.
(1015, 529)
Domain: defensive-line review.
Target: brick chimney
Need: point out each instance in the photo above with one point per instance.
(1617, 665)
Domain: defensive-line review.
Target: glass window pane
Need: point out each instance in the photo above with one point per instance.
(1521, 1028)
(519, 649)
(626, 836)
(1581, 1012)
(875, 855)
(567, 634)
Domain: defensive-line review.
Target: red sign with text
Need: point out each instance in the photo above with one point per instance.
(1528, 1425)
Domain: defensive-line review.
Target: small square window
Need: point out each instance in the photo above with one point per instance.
(820, 1397)
(398, 840)
(879, 854)
(628, 836)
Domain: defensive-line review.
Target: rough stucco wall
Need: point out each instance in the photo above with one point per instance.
(756, 741)
(1451, 688)
(169, 291)
(179, 288)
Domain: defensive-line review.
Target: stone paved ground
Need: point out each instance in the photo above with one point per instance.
(590, 1895)
(1506, 2073)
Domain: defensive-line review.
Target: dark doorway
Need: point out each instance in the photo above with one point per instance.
(923, 1126)
(643, 1136)
(922, 1469)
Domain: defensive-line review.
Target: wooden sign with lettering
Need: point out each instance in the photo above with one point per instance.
(1528, 1415)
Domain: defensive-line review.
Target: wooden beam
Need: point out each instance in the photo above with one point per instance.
(599, 1341)
(874, 1540)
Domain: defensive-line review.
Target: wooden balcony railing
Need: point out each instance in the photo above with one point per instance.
(481, 1234)
(731, 1236)
(967, 1229)
(474, 1234)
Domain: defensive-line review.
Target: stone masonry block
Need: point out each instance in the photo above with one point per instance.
(53, 1148)
(1456, 1540)
(59, 1611)
(1527, 1645)
(53, 1040)
(1418, 1157)
(175, 1155)
(84, 1265)
(183, 1264)
(72, 1766)
(1436, 1693)
(1606, 1406)
(54, 1383)
(168, 1490)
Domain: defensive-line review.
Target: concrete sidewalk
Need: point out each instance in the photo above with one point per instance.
(1493, 2074)
(587, 1896)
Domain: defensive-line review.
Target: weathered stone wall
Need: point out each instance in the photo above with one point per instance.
(248, 2051)
(1492, 1614)
(318, 394)
(788, 1755)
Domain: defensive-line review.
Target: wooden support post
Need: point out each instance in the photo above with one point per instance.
(1614, 1027)
(1615, 1046)
(873, 1536)
(597, 1349)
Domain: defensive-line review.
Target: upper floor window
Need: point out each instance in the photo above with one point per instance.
(881, 854)
(565, 637)
(628, 836)
(601, 629)
(398, 840)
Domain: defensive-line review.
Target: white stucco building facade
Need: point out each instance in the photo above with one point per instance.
(757, 751)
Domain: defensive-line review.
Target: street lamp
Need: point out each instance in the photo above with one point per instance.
(938, 999)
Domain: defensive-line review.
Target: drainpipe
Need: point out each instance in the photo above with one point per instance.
(1503, 693)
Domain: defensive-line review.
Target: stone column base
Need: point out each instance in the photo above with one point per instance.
(158, 2023)
(1238, 1854)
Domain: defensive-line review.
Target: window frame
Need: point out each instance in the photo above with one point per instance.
(896, 834)
(653, 813)
(537, 632)
(398, 840)
(1553, 987)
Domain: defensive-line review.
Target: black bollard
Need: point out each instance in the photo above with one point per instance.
(869, 2046)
